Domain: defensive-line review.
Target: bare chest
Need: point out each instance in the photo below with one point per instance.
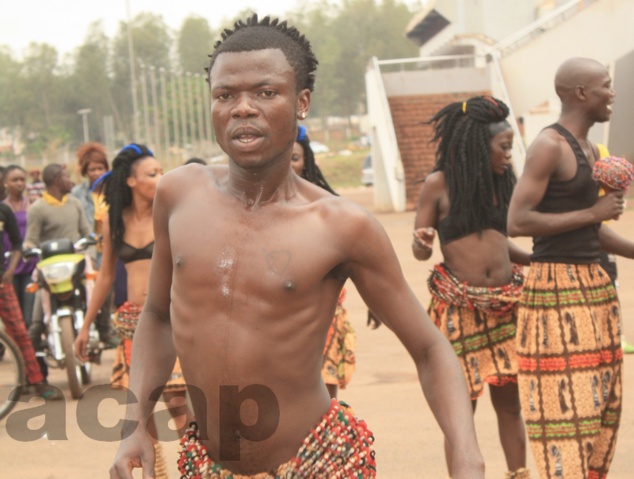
(264, 255)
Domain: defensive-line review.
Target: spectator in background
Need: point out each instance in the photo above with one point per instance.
(36, 187)
(57, 214)
(93, 163)
(3, 191)
(10, 309)
(15, 183)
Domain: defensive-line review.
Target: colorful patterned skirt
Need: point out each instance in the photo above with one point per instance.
(569, 358)
(479, 322)
(125, 322)
(340, 446)
(339, 359)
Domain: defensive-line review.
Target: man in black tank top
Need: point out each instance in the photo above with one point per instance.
(568, 339)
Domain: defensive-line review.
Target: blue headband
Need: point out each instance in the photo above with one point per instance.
(301, 134)
(100, 180)
(135, 148)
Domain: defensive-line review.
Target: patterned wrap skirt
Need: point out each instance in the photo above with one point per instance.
(125, 322)
(570, 358)
(339, 359)
(479, 322)
(340, 446)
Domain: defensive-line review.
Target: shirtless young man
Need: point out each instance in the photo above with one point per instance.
(568, 339)
(247, 310)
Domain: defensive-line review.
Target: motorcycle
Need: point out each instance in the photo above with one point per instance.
(61, 272)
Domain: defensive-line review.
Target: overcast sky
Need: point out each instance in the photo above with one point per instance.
(63, 23)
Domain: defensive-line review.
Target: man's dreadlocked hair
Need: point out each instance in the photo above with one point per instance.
(311, 171)
(118, 194)
(251, 35)
(465, 130)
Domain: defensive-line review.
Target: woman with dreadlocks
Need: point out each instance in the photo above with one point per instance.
(128, 235)
(475, 289)
(339, 358)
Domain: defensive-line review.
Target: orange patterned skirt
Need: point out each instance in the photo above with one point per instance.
(339, 359)
(570, 358)
(125, 322)
(479, 322)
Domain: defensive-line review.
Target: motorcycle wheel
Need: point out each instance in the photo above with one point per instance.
(73, 370)
(86, 370)
(12, 374)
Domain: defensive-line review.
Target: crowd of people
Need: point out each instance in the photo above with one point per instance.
(248, 314)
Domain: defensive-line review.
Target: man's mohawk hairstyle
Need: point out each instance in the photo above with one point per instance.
(254, 34)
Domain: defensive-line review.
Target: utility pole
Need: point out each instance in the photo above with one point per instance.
(135, 107)
(84, 115)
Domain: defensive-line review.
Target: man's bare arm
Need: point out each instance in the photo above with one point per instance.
(378, 277)
(542, 161)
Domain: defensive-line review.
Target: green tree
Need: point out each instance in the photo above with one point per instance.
(195, 42)
(152, 41)
(10, 89)
(366, 29)
(92, 84)
(344, 38)
(316, 22)
(45, 118)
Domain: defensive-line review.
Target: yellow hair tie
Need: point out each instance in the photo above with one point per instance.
(464, 107)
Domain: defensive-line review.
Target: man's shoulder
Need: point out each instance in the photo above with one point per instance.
(546, 145)
(343, 212)
(37, 206)
(73, 201)
(174, 185)
(191, 174)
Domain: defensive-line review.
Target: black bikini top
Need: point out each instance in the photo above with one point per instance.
(449, 230)
(128, 253)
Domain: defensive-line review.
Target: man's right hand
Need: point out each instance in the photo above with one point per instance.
(609, 206)
(135, 451)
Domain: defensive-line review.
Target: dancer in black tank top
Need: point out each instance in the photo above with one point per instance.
(568, 340)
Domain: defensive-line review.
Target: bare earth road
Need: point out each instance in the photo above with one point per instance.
(384, 391)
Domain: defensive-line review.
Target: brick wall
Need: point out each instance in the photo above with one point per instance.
(417, 154)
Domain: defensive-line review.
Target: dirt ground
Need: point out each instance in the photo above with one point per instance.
(384, 391)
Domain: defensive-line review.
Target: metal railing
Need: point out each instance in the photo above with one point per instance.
(547, 22)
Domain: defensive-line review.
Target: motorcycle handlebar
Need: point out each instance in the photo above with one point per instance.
(79, 246)
(84, 243)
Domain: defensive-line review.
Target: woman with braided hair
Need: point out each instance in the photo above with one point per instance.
(304, 164)
(476, 288)
(128, 235)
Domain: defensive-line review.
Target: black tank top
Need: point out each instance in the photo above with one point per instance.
(582, 244)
